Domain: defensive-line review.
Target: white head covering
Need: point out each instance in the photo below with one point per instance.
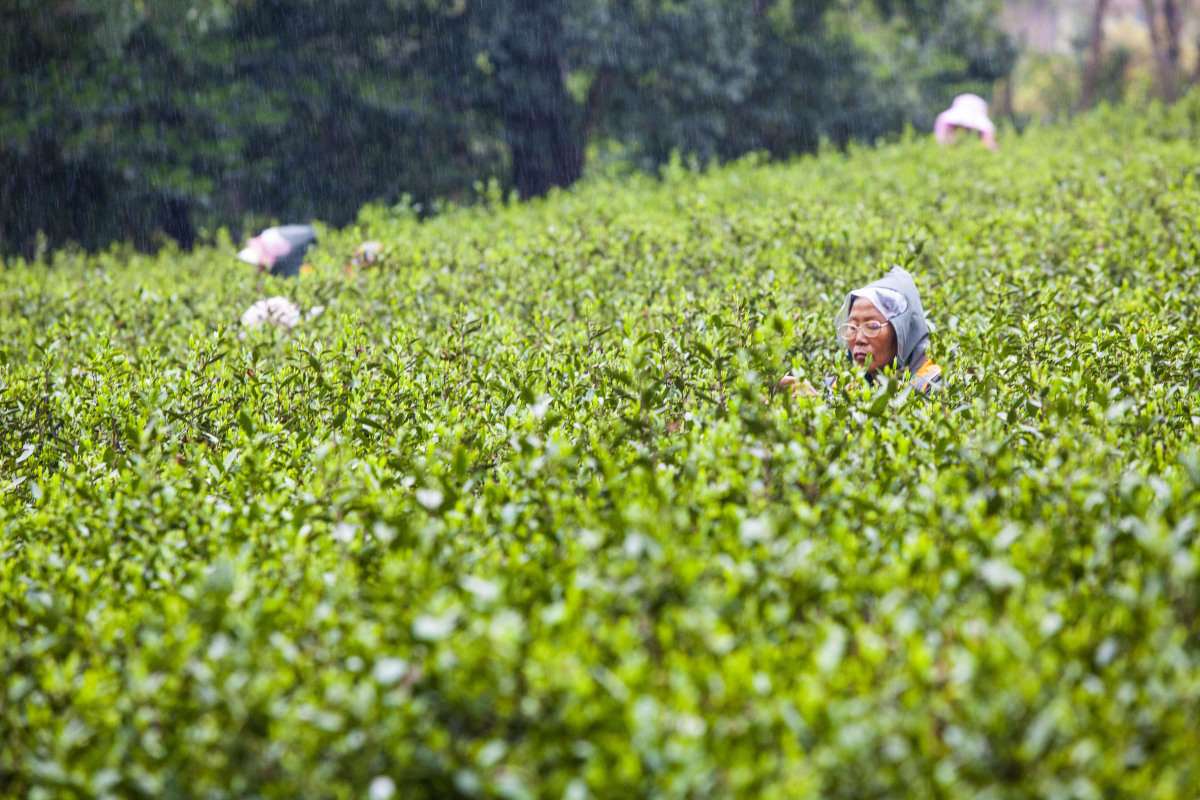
(889, 302)
(277, 311)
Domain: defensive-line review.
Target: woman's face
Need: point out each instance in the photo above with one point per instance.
(877, 353)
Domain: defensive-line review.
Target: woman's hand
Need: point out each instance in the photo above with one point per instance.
(797, 386)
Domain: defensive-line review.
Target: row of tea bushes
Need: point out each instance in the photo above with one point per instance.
(512, 519)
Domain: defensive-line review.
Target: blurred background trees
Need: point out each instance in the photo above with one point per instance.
(1077, 53)
(148, 122)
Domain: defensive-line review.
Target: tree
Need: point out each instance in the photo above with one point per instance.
(1091, 70)
(354, 100)
(658, 74)
(1164, 19)
(140, 121)
(103, 140)
(545, 129)
(923, 53)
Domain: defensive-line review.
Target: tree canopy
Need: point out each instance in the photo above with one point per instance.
(140, 121)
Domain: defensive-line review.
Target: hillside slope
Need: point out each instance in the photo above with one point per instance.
(511, 518)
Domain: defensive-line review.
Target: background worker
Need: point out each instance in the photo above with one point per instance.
(969, 111)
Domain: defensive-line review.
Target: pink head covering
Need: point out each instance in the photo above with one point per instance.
(967, 111)
(263, 249)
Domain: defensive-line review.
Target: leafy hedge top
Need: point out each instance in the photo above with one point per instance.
(511, 518)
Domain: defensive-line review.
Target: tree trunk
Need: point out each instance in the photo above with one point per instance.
(546, 150)
(543, 125)
(1173, 17)
(1160, 41)
(176, 221)
(1091, 72)
(597, 93)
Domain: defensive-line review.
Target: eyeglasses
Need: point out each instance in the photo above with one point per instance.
(848, 330)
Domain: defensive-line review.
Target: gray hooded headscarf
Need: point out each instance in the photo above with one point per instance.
(895, 295)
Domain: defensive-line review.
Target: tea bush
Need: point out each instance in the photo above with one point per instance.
(511, 518)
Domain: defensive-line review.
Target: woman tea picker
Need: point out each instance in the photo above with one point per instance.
(967, 112)
(882, 325)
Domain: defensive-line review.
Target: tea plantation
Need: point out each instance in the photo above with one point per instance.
(520, 514)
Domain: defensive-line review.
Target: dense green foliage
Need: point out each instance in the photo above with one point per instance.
(141, 121)
(519, 515)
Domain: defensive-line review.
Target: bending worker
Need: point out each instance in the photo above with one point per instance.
(882, 325)
(967, 112)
